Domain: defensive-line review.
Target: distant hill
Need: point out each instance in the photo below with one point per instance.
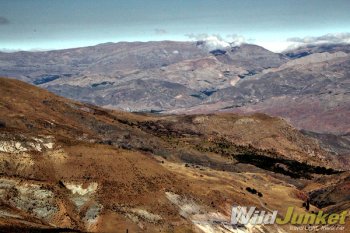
(306, 86)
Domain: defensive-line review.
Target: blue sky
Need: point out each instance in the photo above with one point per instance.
(50, 24)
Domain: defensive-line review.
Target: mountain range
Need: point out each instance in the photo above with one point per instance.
(308, 87)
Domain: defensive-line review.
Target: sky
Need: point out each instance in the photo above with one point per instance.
(274, 24)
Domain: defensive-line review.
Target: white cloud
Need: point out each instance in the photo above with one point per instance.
(331, 38)
(211, 42)
(297, 42)
(215, 41)
(236, 40)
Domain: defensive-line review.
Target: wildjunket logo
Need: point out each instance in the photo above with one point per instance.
(245, 215)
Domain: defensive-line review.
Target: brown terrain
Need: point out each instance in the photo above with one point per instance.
(69, 166)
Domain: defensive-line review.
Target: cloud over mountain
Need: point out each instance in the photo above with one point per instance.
(215, 41)
(336, 38)
(236, 39)
(211, 41)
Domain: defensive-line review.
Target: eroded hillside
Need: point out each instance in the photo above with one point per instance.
(67, 166)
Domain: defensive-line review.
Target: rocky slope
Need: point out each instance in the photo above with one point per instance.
(67, 166)
(311, 92)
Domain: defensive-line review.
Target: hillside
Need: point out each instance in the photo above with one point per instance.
(71, 166)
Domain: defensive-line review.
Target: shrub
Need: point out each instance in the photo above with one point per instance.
(254, 191)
